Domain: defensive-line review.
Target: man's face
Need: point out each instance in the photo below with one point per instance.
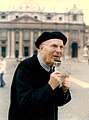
(51, 50)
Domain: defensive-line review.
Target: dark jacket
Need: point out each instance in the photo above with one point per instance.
(32, 98)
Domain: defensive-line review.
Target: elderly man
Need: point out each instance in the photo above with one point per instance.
(36, 92)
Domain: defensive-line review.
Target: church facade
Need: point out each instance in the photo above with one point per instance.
(19, 30)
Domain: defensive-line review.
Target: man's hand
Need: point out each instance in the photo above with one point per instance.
(55, 79)
(66, 83)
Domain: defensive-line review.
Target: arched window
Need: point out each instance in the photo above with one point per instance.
(3, 51)
(74, 49)
(74, 17)
(26, 51)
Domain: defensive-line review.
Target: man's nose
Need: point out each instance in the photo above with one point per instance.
(58, 49)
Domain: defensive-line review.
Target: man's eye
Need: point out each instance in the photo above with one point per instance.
(61, 46)
(54, 46)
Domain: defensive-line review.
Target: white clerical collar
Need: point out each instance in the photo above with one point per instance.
(42, 63)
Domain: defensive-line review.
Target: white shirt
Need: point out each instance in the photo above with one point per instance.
(2, 66)
(42, 63)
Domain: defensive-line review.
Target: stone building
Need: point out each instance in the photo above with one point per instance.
(20, 29)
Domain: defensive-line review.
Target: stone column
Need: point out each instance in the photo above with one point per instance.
(0, 51)
(12, 44)
(80, 45)
(31, 43)
(67, 47)
(8, 43)
(39, 33)
(20, 44)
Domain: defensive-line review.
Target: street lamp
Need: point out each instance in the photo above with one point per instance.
(88, 50)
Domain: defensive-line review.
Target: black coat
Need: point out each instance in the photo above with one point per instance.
(32, 98)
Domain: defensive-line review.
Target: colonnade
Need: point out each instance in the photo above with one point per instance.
(11, 42)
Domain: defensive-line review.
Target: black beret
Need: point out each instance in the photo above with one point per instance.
(50, 35)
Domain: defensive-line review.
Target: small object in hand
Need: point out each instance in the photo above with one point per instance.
(57, 64)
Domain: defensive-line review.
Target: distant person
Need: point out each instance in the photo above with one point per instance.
(36, 92)
(2, 70)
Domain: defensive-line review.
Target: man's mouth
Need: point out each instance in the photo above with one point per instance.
(56, 58)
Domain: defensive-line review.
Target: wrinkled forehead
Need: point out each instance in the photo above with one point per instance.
(53, 41)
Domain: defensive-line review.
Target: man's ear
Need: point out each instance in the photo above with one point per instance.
(41, 47)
